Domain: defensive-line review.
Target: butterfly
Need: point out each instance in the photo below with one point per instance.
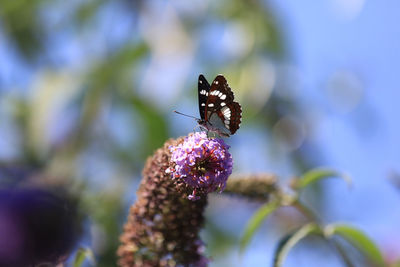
(218, 111)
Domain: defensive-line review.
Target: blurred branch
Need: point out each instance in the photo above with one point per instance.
(252, 186)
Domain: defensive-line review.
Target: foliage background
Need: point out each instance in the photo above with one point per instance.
(87, 90)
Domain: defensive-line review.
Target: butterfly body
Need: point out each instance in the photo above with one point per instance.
(218, 111)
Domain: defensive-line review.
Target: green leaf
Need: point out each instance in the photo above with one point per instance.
(156, 127)
(81, 255)
(359, 240)
(255, 221)
(86, 11)
(291, 240)
(317, 174)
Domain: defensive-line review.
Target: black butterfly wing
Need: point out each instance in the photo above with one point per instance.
(220, 109)
(236, 117)
(203, 90)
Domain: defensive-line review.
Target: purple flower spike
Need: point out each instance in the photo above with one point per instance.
(202, 163)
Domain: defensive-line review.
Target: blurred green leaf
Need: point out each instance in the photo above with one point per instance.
(21, 22)
(102, 80)
(84, 254)
(359, 240)
(255, 221)
(219, 240)
(114, 66)
(317, 174)
(156, 131)
(107, 213)
(291, 240)
(87, 10)
(259, 19)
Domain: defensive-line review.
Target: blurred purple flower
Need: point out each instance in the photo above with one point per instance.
(37, 227)
(202, 163)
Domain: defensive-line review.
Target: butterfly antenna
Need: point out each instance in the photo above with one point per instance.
(185, 115)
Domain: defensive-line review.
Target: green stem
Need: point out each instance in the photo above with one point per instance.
(309, 214)
(341, 251)
(306, 211)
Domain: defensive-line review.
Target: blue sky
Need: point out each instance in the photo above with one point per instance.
(364, 140)
(356, 42)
